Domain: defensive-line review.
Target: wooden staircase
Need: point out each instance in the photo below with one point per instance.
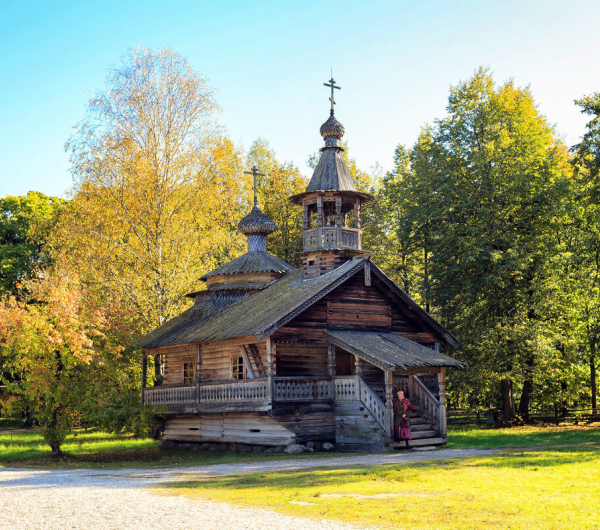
(422, 429)
(362, 421)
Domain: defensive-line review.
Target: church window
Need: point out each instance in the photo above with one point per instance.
(238, 370)
(187, 372)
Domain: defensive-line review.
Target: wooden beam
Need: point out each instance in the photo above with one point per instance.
(389, 400)
(198, 373)
(331, 359)
(367, 273)
(442, 386)
(247, 362)
(270, 366)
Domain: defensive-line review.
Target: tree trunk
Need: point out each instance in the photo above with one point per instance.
(508, 403)
(29, 419)
(525, 399)
(593, 376)
(55, 450)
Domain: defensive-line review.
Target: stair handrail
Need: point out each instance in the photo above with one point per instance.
(372, 402)
(427, 401)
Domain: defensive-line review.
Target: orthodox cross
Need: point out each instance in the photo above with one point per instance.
(332, 85)
(254, 172)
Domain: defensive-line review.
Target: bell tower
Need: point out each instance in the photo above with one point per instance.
(331, 206)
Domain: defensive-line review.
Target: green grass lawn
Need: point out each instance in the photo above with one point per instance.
(528, 436)
(518, 490)
(91, 449)
(105, 451)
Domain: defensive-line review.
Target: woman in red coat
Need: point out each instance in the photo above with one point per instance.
(402, 410)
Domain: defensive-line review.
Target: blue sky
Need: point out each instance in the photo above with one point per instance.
(394, 60)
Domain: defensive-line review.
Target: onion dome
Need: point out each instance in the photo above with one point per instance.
(257, 223)
(331, 131)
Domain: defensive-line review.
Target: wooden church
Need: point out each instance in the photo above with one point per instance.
(272, 355)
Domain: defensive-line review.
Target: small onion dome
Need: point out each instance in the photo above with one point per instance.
(332, 130)
(256, 223)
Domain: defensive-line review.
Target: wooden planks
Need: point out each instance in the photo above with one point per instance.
(308, 421)
(242, 428)
(300, 360)
(174, 359)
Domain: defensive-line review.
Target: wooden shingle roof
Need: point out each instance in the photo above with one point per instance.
(389, 350)
(251, 262)
(263, 312)
(258, 314)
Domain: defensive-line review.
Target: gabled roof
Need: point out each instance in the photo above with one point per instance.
(261, 313)
(251, 262)
(258, 314)
(389, 350)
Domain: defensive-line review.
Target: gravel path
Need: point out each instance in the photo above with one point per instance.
(122, 500)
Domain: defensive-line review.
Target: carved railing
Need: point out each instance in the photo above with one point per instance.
(350, 237)
(430, 381)
(429, 404)
(165, 395)
(310, 239)
(372, 402)
(345, 388)
(244, 390)
(294, 389)
(327, 237)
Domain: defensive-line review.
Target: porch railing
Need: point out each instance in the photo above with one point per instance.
(372, 402)
(293, 389)
(329, 237)
(159, 395)
(427, 401)
(244, 390)
(345, 388)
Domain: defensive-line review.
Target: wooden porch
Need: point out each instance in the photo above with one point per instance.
(342, 392)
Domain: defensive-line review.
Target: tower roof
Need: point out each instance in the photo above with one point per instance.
(331, 173)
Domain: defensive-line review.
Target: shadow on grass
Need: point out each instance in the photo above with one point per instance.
(294, 481)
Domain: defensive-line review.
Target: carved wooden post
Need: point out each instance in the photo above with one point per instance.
(331, 366)
(305, 216)
(319, 221)
(357, 222)
(338, 222)
(389, 404)
(270, 367)
(144, 373)
(358, 373)
(442, 385)
(331, 359)
(198, 372)
(367, 268)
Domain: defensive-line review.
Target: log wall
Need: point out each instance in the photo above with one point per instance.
(301, 360)
(173, 361)
(249, 428)
(308, 421)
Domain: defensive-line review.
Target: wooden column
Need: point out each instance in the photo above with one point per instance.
(198, 371)
(319, 221)
(305, 216)
(338, 222)
(270, 367)
(357, 374)
(442, 385)
(357, 222)
(144, 373)
(389, 403)
(331, 360)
